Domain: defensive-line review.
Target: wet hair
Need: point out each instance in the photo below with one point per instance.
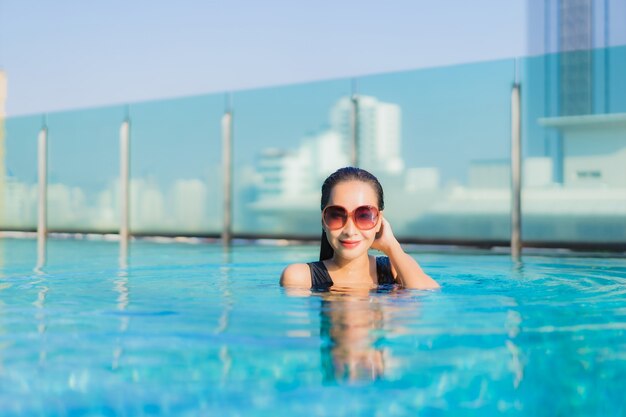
(343, 175)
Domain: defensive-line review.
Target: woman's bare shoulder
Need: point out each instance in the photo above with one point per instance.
(296, 275)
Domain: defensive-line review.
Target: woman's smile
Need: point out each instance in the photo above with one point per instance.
(349, 243)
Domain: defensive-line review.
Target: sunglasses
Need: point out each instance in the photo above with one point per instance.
(336, 217)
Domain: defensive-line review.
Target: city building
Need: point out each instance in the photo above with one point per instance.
(496, 173)
(579, 31)
(379, 132)
(287, 175)
(576, 102)
(288, 179)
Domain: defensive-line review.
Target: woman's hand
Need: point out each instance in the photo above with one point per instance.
(385, 240)
(405, 269)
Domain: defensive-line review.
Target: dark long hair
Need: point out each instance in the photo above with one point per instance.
(341, 175)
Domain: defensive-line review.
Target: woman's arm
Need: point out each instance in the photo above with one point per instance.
(408, 272)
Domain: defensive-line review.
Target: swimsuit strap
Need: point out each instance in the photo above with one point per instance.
(321, 280)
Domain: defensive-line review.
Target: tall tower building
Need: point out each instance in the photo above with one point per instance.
(576, 71)
(379, 132)
(288, 174)
(576, 62)
(578, 31)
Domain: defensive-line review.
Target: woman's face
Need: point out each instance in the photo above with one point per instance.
(350, 242)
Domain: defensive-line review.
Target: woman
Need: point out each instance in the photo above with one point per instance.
(353, 222)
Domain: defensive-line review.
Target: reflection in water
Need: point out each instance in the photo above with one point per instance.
(513, 326)
(223, 322)
(40, 315)
(123, 299)
(3, 286)
(42, 243)
(351, 325)
(123, 255)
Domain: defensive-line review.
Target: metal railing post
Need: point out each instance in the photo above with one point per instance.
(516, 173)
(3, 90)
(42, 197)
(124, 190)
(227, 143)
(354, 126)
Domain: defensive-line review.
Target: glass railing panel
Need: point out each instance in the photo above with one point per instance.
(176, 185)
(574, 137)
(83, 170)
(615, 64)
(439, 140)
(18, 178)
(286, 142)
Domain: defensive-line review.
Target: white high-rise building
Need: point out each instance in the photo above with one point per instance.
(283, 174)
(291, 174)
(379, 132)
(288, 175)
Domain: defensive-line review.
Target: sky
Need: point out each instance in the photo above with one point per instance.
(71, 54)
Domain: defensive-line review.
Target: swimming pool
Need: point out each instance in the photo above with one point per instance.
(195, 330)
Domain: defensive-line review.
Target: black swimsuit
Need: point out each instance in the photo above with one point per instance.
(321, 280)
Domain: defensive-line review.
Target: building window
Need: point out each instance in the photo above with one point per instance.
(582, 175)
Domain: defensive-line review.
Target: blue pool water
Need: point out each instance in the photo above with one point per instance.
(193, 330)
